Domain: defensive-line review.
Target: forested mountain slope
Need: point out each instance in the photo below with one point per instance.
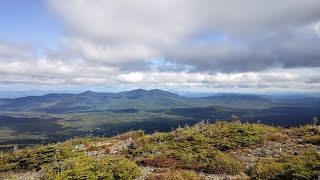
(139, 99)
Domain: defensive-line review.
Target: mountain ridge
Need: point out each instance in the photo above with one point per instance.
(139, 99)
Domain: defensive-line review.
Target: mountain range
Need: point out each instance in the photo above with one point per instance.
(59, 116)
(139, 99)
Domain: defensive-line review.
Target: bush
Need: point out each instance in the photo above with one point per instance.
(33, 159)
(121, 168)
(305, 131)
(176, 175)
(160, 162)
(85, 167)
(215, 162)
(199, 147)
(304, 166)
(315, 140)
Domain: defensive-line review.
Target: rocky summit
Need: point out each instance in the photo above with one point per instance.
(221, 150)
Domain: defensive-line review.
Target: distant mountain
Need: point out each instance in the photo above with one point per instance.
(93, 101)
(139, 99)
(242, 101)
(299, 101)
(18, 94)
(60, 116)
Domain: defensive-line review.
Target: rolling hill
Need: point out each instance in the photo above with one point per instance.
(57, 117)
(139, 99)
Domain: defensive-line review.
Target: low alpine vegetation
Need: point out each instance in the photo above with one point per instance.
(203, 151)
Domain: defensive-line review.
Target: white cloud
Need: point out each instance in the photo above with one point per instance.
(257, 33)
(53, 68)
(107, 53)
(161, 20)
(49, 71)
(180, 43)
(5, 50)
(219, 78)
(10, 50)
(131, 77)
(44, 73)
(315, 27)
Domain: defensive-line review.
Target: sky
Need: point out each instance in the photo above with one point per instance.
(179, 45)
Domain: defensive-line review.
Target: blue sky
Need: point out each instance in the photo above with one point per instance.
(205, 45)
(29, 22)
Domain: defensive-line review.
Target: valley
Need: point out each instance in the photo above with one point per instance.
(50, 118)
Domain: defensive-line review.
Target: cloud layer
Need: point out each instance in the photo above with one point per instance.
(181, 43)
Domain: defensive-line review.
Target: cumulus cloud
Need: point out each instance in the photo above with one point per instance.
(261, 34)
(107, 53)
(11, 50)
(287, 49)
(315, 27)
(180, 43)
(51, 72)
(131, 77)
(154, 20)
(6, 50)
(53, 68)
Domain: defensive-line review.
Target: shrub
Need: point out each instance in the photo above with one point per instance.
(29, 159)
(121, 168)
(85, 167)
(176, 175)
(160, 162)
(199, 147)
(131, 134)
(304, 166)
(215, 162)
(315, 140)
(305, 131)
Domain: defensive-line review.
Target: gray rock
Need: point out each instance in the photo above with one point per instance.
(79, 147)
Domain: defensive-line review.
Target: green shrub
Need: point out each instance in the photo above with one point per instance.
(215, 162)
(176, 175)
(85, 167)
(203, 147)
(304, 166)
(29, 159)
(305, 131)
(122, 168)
(315, 140)
(160, 162)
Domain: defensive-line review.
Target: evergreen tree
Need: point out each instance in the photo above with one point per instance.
(15, 148)
(314, 121)
(235, 118)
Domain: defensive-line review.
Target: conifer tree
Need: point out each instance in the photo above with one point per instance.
(314, 121)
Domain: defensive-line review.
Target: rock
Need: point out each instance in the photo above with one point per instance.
(215, 177)
(31, 175)
(121, 146)
(102, 143)
(145, 171)
(266, 152)
(79, 147)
